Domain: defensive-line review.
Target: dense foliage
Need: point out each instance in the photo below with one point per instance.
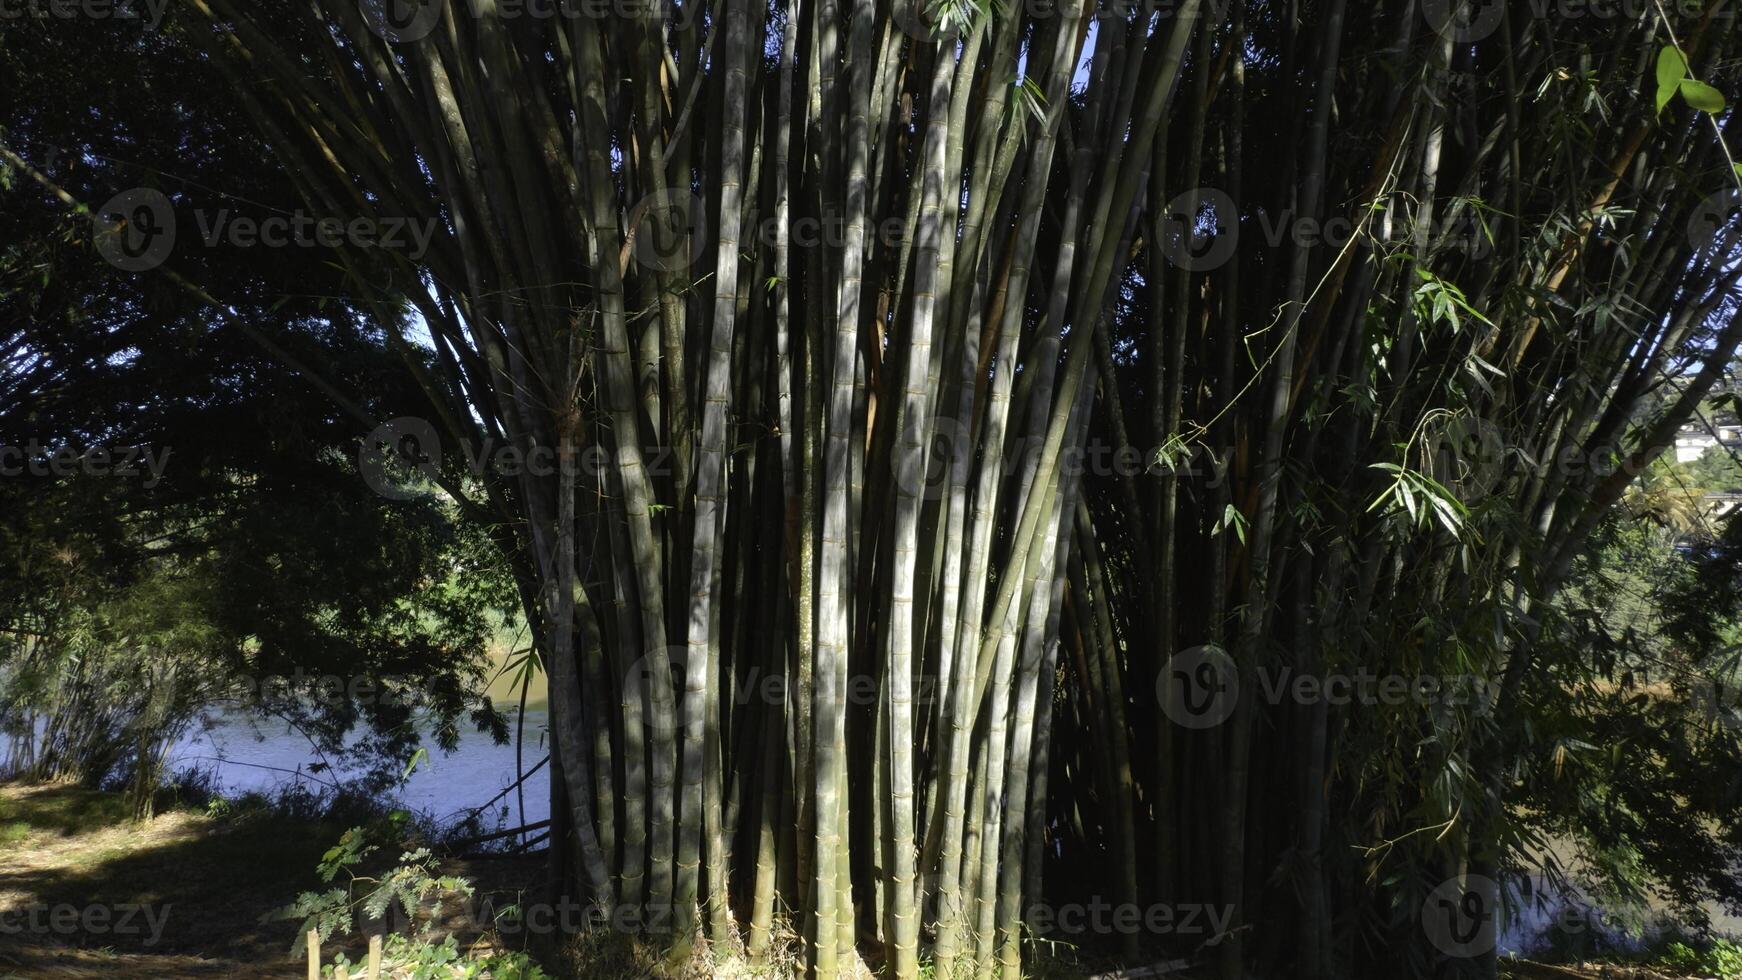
(1036, 393)
(186, 528)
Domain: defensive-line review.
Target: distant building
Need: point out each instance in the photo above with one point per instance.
(1693, 440)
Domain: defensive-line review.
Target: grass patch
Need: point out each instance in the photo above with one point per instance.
(205, 880)
(65, 811)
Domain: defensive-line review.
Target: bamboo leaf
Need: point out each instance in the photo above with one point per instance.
(421, 755)
(1702, 96)
(1671, 69)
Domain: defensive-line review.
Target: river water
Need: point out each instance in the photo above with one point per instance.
(248, 753)
(1582, 924)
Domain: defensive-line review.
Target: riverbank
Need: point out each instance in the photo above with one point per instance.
(86, 892)
(95, 894)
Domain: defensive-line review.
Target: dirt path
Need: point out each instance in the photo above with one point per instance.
(86, 892)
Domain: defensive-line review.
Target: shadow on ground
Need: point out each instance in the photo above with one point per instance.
(86, 892)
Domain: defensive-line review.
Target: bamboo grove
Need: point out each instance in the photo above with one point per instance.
(828, 313)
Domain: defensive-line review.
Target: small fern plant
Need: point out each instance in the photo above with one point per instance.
(333, 911)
